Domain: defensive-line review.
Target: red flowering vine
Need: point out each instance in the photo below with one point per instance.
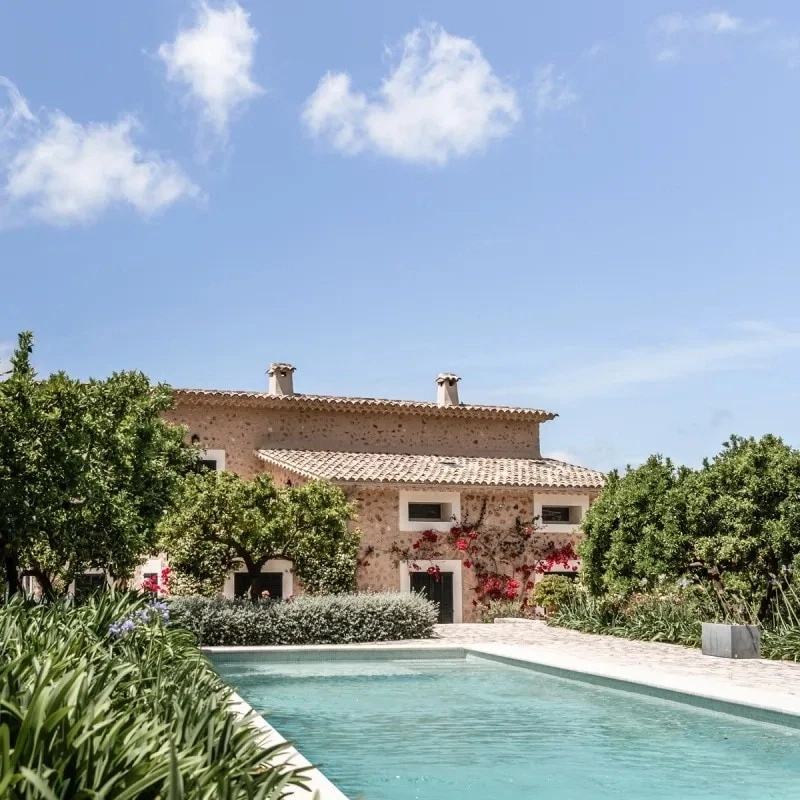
(152, 584)
(505, 561)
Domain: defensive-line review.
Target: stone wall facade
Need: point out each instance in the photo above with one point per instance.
(240, 430)
(378, 520)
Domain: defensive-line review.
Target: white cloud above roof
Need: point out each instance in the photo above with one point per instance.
(62, 172)
(673, 31)
(440, 100)
(212, 60)
(552, 91)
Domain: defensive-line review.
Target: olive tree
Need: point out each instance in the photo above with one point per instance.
(86, 472)
(219, 518)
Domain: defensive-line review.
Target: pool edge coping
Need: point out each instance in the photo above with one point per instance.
(317, 784)
(675, 690)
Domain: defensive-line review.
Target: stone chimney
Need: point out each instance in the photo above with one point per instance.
(281, 383)
(447, 389)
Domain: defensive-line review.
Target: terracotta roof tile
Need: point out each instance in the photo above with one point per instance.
(264, 399)
(395, 468)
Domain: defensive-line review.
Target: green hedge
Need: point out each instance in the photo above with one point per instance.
(105, 701)
(675, 615)
(334, 619)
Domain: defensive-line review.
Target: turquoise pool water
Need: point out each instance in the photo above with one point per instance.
(473, 729)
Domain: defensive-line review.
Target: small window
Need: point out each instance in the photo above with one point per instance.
(569, 573)
(209, 461)
(428, 512)
(269, 582)
(88, 583)
(556, 514)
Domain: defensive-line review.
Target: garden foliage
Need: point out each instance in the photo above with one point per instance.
(734, 524)
(104, 701)
(334, 619)
(551, 591)
(674, 613)
(220, 519)
(86, 471)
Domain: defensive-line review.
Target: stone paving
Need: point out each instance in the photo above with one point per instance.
(772, 684)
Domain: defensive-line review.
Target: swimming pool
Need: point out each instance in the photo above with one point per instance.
(441, 728)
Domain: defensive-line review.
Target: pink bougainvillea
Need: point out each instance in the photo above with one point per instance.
(505, 561)
(156, 586)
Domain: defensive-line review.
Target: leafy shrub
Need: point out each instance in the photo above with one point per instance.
(734, 523)
(551, 591)
(502, 608)
(675, 615)
(782, 644)
(581, 611)
(102, 700)
(669, 615)
(332, 619)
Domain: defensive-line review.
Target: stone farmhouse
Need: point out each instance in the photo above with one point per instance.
(408, 465)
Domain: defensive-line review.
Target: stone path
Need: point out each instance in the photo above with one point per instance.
(769, 684)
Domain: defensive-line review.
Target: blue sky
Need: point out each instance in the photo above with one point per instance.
(587, 207)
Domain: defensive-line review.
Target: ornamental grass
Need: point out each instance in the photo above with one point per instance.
(106, 700)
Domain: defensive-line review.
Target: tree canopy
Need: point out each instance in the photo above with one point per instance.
(626, 528)
(220, 518)
(735, 521)
(86, 471)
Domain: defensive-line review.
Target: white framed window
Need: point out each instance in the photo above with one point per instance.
(213, 460)
(88, 581)
(453, 566)
(276, 566)
(429, 510)
(151, 567)
(561, 515)
(560, 512)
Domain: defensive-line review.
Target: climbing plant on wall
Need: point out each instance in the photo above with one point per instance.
(505, 561)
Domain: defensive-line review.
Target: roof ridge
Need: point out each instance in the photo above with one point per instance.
(342, 401)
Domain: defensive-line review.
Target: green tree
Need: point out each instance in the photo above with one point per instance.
(324, 546)
(219, 519)
(86, 471)
(734, 523)
(629, 535)
(742, 513)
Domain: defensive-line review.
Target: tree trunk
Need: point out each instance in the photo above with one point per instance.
(254, 571)
(44, 582)
(12, 574)
(766, 603)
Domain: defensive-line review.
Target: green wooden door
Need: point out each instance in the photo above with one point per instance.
(438, 591)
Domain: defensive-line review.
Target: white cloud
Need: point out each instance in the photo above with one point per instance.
(551, 90)
(747, 347)
(712, 22)
(64, 172)
(672, 30)
(441, 100)
(212, 59)
(17, 111)
(597, 49)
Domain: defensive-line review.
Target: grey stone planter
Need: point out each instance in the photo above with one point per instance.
(731, 641)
